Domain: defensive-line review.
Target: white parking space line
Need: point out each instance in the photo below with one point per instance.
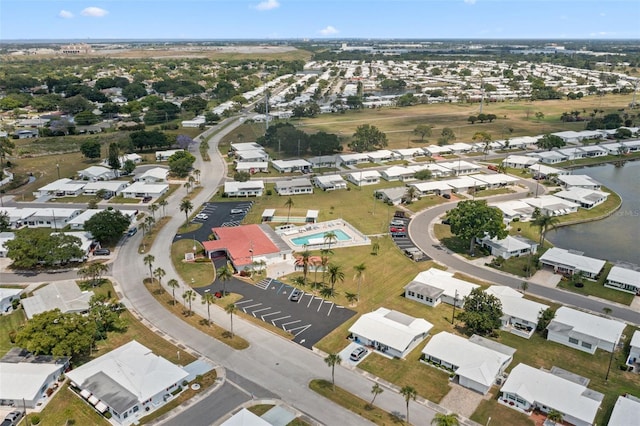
(278, 319)
(290, 322)
(272, 313)
(310, 300)
(260, 310)
(244, 301)
(332, 305)
(244, 308)
(303, 328)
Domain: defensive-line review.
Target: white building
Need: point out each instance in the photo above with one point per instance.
(364, 177)
(529, 388)
(461, 167)
(79, 221)
(353, 159)
(330, 182)
(64, 187)
(5, 237)
(253, 167)
(56, 218)
(94, 173)
(550, 205)
(586, 198)
(130, 382)
(542, 171)
(63, 295)
(381, 156)
(495, 180)
(569, 262)
(578, 181)
(390, 332)
(8, 295)
(434, 187)
(250, 155)
(142, 189)
(164, 155)
(519, 161)
(154, 175)
(634, 350)
(111, 187)
(583, 331)
(477, 362)
(519, 315)
(623, 279)
(288, 166)
(250, 188)
(298, 186)
(509, 246)
(514, 209)
(434, 286)
(626, 412)
(400, 173)
(549, 157)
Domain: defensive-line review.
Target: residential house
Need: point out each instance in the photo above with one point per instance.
(631, 146)
(289, 166)
(634, 351)
(394, 195)
(497, 180)
(25, 378)
(195, 123)
(245, 417)
(550, 205)
(593, 151)
(578, 181)
(135, 158)
(7, 295)
(154, 175)
(571, 153)
(330, 182)
(436, 169)
(460, 148)
(583, 331)
(519, 315)
(624, 279)
(549, 157)
(130, 382)
(528, 388)
(461, 167)
(540, 171)
(409, 153)
(324, 161)
(64, 187)
(400, 173)
(585, 198)
(364, 177)
(626, 411)
(79, 221)
(250, 156)
(297, 186)
(509, 246)
(110, 187)
(570, 262)
(63, 295)
(353, 159)
(55, 218)
(435, 150)
(143, 189)
(25, 134)
(94, 173)
(5, 237)
(434, 286)
(245, 146)
(434, 187)
(253, 167)
(164, 155)
(519, 161)
(514, 209)
(476, 361)
(381, 156)
(250, 188)
(390, 332)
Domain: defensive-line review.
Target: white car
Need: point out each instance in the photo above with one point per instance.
(202, 216)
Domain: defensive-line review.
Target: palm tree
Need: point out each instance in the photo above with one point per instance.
(289, 203)
(159, 273)
(189, 296)
(524, 286)
(375, 248)
(150, 221)
(188, 186)
(409, 394)
(545, 222)
(607, 310)
(196, 173)
(225, 274)
(153, 208)
(208, 299)
(324, 259)
(231, 309)
(304, 256)
(186, 206)
(145, 229)
(359, 275)
(192, 181)
(148, 260)
(173, 284)
(555, 416)
(330, 237)
(445, 420)
(331, 360)
(375, 390)
(335, 274)
(411, 194)
(351, 297)
(163, 204)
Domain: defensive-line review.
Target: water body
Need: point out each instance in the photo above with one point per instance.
(618, 236)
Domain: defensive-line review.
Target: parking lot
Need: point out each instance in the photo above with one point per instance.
(308, 319)
(401, 239)
(217, 215)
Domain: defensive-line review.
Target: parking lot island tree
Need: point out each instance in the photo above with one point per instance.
(173, 284)
(472, 219)
(231, 309)
(224, 274)
(208, 299)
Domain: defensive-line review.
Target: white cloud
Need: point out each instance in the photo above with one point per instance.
(268, 5)
(65, 14)
(94, 12)
(328, 30)
(603, 14)
(470, 1)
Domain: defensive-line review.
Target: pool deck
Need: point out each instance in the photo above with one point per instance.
(356, 238)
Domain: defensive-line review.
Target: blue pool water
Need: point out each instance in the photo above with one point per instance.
(301, 241)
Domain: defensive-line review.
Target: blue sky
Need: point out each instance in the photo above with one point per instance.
(264, 19)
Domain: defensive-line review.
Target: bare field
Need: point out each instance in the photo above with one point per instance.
(284, 53)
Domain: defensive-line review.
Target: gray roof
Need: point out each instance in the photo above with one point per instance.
(424, 289)
(110, 392)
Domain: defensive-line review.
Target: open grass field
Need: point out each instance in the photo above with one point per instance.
(196, 274)
(223, 53)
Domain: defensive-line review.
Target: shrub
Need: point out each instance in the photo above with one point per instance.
(107, 415)
(35, 419)
(177, 391)
(269, 192)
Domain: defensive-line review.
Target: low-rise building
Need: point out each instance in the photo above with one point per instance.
(7, 295)
(289, 166)
(94, 173)
(364, 177)
(250, 188)
(585, 198)
(164, 155)
(154, 175)
(143, 189)
(509, 246)
(514, 209)
(519, 315)
(550, 205)
(253, 167)
(634, 351)
(63, 295)
(390, 332)
(64, 187)
(570, 262)
(624, 279)
(461, 167)
(110, 187)
(626, 411)
(578, 181)
(519, 161)
(79, 221)
(549, 157)
(330, 182)
(400, 173)
(540, 171)
(298, 186)
(434, 286)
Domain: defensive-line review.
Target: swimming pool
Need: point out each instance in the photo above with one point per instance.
(319, 238)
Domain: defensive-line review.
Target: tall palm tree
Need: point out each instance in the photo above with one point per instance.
(208, 299)
(324, 259)
(150, 221)
(189, 296)
(224, 274)
(163, 204)
(359, 275)
(148, 260)
(173, 284)
(545, 222)
(524, 286)
(145, 229)
(445, 420)
(409, 394)
(331, 360)
(192, 181)
(188, 186)
(159, 273)
(304, 257)
(231, 309)
(196, 173)
(376, 390)
(411, 194)
(153, 208)
(186, 206)
(330, 237)
(335, 274)
(289, 203)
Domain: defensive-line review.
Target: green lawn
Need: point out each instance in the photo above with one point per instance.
(66, 406)
(8, 323)
(597, 288)
(199, 273)
(490, 408)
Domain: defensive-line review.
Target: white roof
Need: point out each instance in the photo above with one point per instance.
(248, 165)
(252, 153)
(514, 305)
(431, 186)
(460, 146)
(550, 202)
(156, 172)
(398, 171)
(514, 207)
(312, 214)
(88, 214)
(237, 186)
(132, 367)
(351, 157)
(390, 328)
(330, 179)
(435, 149)
(604, 329)
(578, 180)
(293, 183)
(167, 153)
(446, 282)
(148, 188)
(546, 170)
(380, 154)
(495, 179)
(581, 195)
(475, 362)
(246, 146)
(8, 292)
(548, 155)
(464, 182)
(64, 184)
(63, 295)
(435, 168)
(24, 379)
(268, 212)
(406, 152)
(299, 162)
(565, 257)
(460, 165)
(365, 174)
(545, 388)
(635, 339)
(626, 412)
(96, 171)
(245, 417)
(520, 159)
(109, 185)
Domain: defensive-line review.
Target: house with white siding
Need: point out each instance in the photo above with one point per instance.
(110, 187)
(353, 159)
(634, 351)
(289, 166)
(571, 261)
(434, 286)
(519, 161)
(143, 189)
(330, 182)
(550, 205)
(432, 187)
(626, 411)
(519, 315)
(578, 181)
(253, 167)
(508, 247)
(514, 209)
(364, 177)
(166, 154)
(298, 186)
(250, 188)
(400, 173)
(154, 175)
(64, 187)
(624, 279)
(94, 173)
(585, 198)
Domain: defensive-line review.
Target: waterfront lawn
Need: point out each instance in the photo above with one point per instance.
(597, 288)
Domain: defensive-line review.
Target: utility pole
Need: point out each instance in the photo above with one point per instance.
(455, 300)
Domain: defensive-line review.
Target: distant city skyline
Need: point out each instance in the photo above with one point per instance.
(314, 19)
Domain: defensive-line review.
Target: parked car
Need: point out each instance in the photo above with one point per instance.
(146, 200)
(397, 223)
(447, 196)
(295, 295)
(358, 353)
(13, 417)
(395, 229)
(492, 167)
(131, 232)
(102, 252)
(237, 211)
(400, 214)
(202, 216)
